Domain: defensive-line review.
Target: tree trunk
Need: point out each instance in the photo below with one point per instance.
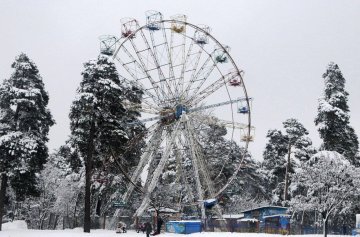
(42, 220)
(302, 223)
(325, 227)
(2, 196)
(75, 208)
(104, 222)
(88, 169)
(287, 174)
(56, 221)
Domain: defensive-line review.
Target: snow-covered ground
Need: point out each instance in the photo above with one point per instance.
(19, 229)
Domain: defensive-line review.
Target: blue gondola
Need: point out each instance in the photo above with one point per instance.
(210, 203)
(243, 110)
(153, 27)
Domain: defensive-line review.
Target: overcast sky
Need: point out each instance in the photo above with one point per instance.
(283, 47)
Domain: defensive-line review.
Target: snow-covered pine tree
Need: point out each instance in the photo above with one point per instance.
(274, 164)
(99, 120)
(24, 125)
(297, 143)
(333, 117)
(278, 153)
(69, 157)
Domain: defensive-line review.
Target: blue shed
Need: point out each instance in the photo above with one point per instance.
(184, 227)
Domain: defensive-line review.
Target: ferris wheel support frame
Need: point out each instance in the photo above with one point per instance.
(158, 171)
(154, 143)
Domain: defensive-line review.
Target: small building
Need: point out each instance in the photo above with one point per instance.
(227, 222)
(231, 221)
(268, 219)
(247, 225)
(165, 213)
(277, 224)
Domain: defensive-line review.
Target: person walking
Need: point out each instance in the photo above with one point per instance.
(159, 224)
(148, 229)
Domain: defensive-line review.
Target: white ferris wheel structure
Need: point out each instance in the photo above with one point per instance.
(190, 82)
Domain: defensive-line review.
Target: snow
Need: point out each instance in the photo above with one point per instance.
(18, 229)
(278, 215)
(163, 210)
(248, 219)
(331, 156)
(264, 207)
(210, 200)
(186, 221)
(15, 225)
(234, 216)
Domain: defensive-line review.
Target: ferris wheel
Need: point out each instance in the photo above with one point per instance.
(190, 83)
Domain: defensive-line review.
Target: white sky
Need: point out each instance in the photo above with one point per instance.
(283, 47)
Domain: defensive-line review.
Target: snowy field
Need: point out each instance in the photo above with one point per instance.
(18, 229)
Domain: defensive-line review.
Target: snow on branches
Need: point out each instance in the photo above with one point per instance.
(326, 183)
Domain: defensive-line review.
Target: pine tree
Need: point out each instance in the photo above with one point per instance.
(274, 164)
(332, 119)
(278, 153)
(99, 120)
(24, 126)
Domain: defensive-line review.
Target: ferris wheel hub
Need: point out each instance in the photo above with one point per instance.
(170, 115)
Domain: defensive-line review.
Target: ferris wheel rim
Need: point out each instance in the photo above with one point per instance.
(140, 28)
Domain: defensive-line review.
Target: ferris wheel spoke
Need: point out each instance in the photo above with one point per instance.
(133, 73)
(199, 156)
(149, 109)
(195, 166)
(145, 106)
(194, 63)
(140, 67)
(177, 50)
(222, 81)
(202, 166)
(210, 120)
(152, 146)
(158, 171)
(181, 172)
(234, 175)
(145, 100)
(155, 61)
(154, 67)
(184, 65)
(164, 45)
(219, 55)
(202, 74)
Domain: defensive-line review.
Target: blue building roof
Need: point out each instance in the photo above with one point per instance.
(266, 207)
